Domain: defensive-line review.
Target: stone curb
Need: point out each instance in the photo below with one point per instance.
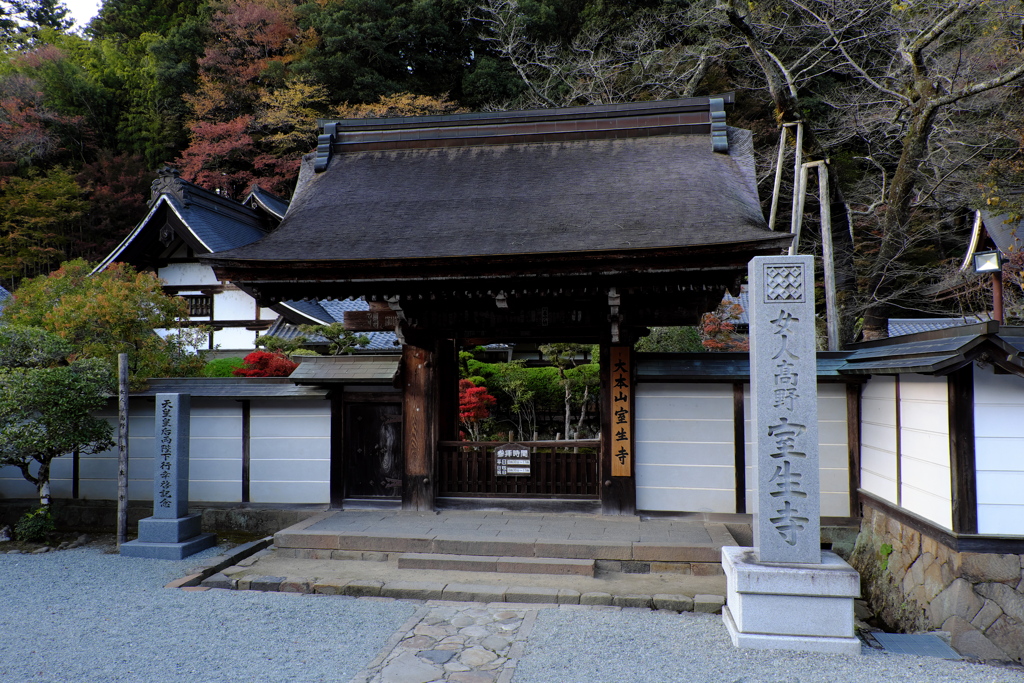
(222, 562)
(462, 592)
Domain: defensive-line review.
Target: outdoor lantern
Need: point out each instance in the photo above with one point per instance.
(988, 262)
(992, 262)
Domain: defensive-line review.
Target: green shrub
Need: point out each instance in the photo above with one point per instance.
(222, 367)
(35, 525)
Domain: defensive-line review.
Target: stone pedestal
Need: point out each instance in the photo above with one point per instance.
(171, 533)
(789, 606)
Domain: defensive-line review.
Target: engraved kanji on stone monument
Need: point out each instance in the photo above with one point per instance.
(170, 494)
(784, 401)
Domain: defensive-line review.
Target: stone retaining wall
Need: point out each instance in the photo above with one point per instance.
(915, 583)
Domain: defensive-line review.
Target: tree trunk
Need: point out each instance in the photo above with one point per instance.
(788, 110)
(882, 280)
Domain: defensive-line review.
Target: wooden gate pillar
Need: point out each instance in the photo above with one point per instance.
(618, 485)
(420, 433)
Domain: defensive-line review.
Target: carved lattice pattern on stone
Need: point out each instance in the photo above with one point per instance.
(784, 283)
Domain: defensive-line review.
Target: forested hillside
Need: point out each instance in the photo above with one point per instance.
(918, 105)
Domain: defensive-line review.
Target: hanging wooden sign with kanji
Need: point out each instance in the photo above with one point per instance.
(621, 407)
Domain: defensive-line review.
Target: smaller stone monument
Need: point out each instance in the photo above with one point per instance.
(786, 593)
(171, 533)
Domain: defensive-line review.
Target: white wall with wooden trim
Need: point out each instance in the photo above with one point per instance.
(878, 438)
(925, 484)
(999, 452)
(685, 448)
(289, 455)
(290, 451)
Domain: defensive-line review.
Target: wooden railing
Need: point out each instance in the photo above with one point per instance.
(558, 469)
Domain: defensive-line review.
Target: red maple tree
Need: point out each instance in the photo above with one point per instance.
(265, 364)
(474, 406)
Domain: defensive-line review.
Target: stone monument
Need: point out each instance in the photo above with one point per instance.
(171, 533)
(786, 593)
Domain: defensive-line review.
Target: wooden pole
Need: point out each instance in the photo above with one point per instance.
(122, 448)
(798, 164)
(778, 179)
(828, 257)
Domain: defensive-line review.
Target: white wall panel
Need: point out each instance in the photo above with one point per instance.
(184, 274)
(926, 488)
(290, 451)
(878, 438)
(684, 447)
(685, 452)
(999, 452)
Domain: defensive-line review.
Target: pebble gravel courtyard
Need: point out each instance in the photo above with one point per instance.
(88, 614)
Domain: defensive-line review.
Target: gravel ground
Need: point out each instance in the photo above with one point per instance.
(597, 646)
(82, 615)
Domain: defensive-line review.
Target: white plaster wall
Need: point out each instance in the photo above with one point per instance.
(234, 304)
(235, 338)
(186, 274)
(290, 451)
(684, 447)
(833, 451)
(924, 445)
(289, 455)
(999, 452)
(878, 438)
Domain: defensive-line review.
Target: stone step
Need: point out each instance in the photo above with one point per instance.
(491, 563)
(643, 551)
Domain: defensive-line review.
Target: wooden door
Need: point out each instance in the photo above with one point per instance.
(373, 450)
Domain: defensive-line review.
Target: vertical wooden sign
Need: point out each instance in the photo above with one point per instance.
(621, 411)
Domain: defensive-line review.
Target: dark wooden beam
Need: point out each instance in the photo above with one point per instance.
(338, 451)
(246, 452)
(419, 435)
(739, 449)
(853, 417)
(962, 465)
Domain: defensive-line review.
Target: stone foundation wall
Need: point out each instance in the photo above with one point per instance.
(918, 584)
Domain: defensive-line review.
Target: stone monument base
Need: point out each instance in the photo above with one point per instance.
(804, 607)
(169, 539)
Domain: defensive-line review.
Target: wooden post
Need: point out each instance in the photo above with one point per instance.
(618, 489)
(420, 399)
(122, 448)
(962, 456)
(828, 259)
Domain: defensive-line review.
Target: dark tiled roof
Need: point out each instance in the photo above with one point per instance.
(903, 326)
(209, 222)
(1005, 232)
(346, 369)
(3, 296)
(219, 228)
(310, 309)
(328, 311)
(269, 201)
(231, 387)
(616, 195)
(652, 367)
(939, 351)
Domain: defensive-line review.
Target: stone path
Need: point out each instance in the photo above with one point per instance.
(455, 642)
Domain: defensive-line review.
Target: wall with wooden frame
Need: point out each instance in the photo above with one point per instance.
(241, 450)
(999, 452)
(693, 452)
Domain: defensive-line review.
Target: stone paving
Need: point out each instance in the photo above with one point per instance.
(455, 642)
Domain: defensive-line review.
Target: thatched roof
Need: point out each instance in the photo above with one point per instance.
(595, 180)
